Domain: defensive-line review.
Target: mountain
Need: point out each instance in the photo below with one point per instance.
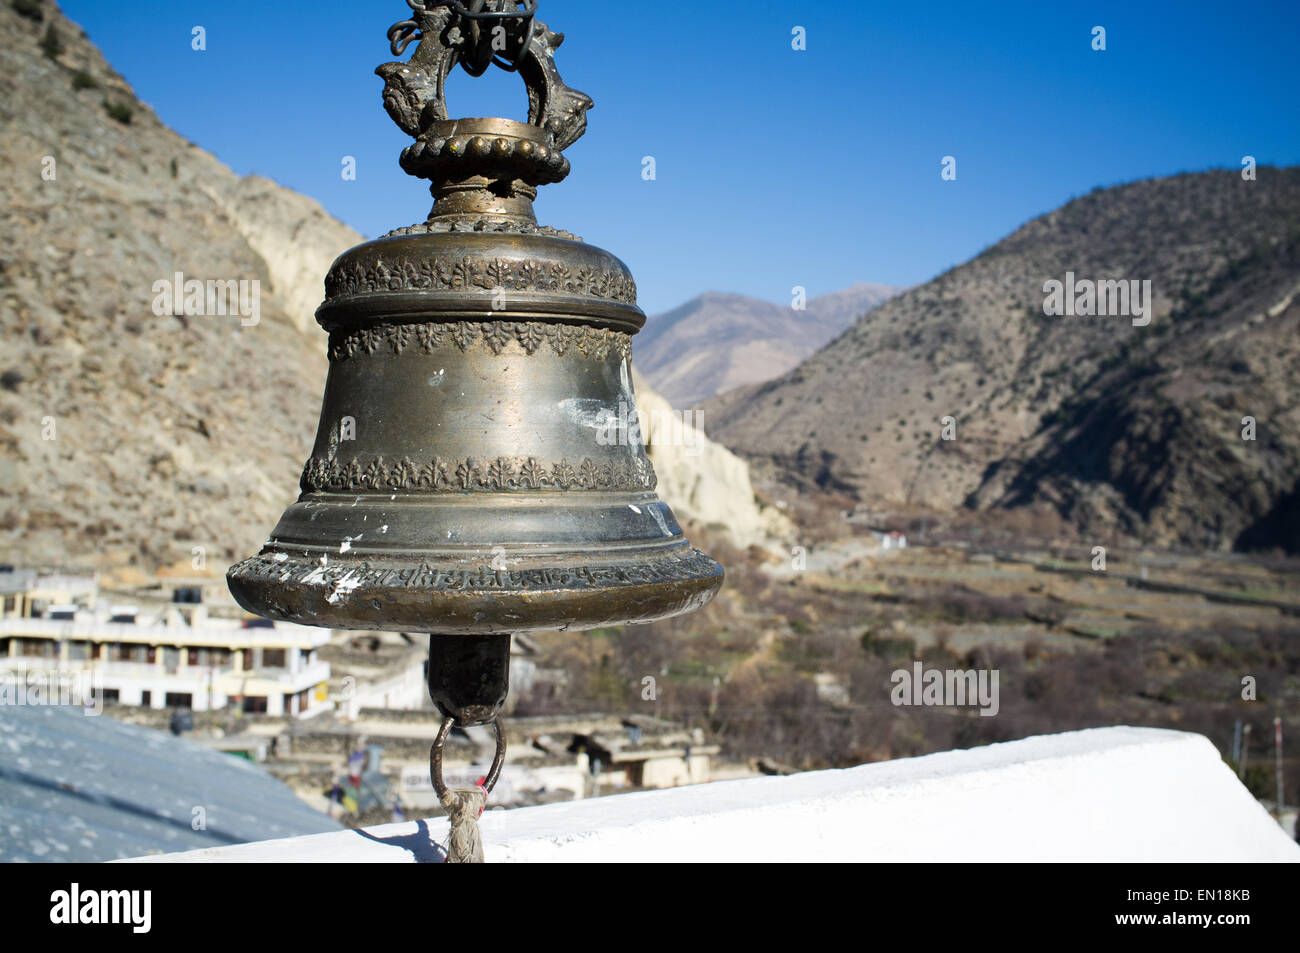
(124, 435)
(128, 437)
(716, 342)
(1116, 426)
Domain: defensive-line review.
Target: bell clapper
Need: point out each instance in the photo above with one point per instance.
(469, 678)
(464, 806)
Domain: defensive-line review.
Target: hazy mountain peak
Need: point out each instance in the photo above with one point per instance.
(717, 340)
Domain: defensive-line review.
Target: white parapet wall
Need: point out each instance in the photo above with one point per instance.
(1107, 794)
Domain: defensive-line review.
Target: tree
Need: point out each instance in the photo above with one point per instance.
(51, 44)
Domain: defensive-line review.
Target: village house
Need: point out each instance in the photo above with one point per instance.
(28, 593)
(174, 656)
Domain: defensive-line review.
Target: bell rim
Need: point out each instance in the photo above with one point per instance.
(467, 597)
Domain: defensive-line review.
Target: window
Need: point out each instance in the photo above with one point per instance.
(146, 698)
(255, 705)
(109, 696)
(179, 700)
(273, 658)
(203, 657)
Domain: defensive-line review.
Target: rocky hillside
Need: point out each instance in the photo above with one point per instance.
(716, 342)
(1117, 427)
(167, 432)
(704, 482)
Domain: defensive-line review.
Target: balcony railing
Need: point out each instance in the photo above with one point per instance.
(211, 633)
(308, 674)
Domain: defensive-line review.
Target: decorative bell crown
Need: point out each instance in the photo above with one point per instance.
(470, 475)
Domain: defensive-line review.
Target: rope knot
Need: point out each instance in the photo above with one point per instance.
(464, 841)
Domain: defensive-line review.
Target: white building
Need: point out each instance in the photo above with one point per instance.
(402, 687)
(888, 540)
(26, 592)
(180, 659)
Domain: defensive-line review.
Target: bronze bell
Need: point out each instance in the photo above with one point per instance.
(469, 476)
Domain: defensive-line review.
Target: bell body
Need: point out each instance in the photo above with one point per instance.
(478, 467)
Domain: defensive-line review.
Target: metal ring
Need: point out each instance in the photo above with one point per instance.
(472, 36)
(435, 757)
(401, 35)
(478, 13)
(471, 16)
(525, 41)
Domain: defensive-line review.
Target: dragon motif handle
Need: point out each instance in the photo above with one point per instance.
(449, 33)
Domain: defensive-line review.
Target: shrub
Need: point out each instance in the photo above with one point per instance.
(31, 9)
(119, 111)
(963, 604)
(51, 44)
(885, 647)
(83, 80)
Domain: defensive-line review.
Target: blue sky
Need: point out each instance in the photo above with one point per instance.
(775, 168)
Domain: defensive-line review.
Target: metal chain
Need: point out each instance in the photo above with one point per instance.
(525, 11)
(477, 54)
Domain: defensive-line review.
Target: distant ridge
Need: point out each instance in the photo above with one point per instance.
(1116, 427)
(716, 341)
